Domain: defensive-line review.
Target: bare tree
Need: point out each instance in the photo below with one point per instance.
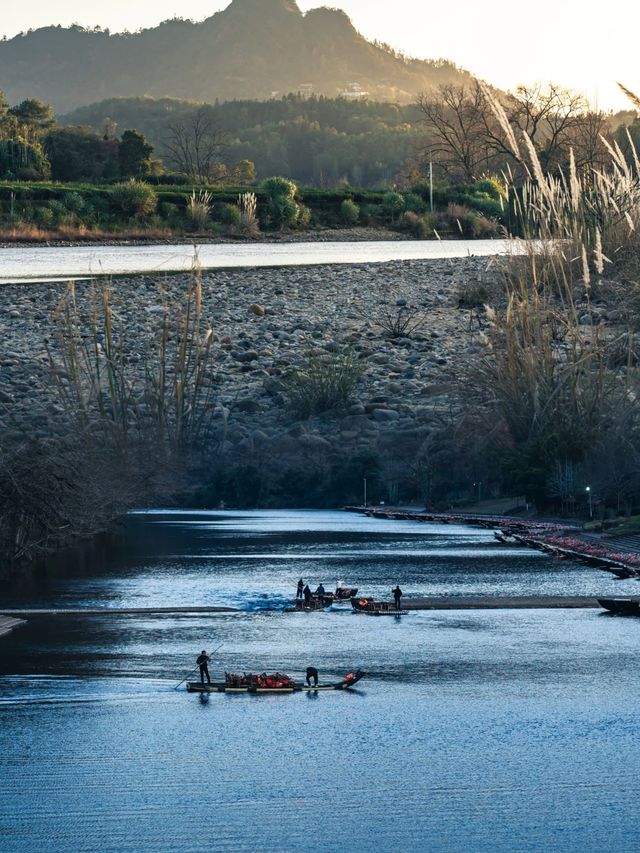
(473, 130)
(455, 117)
(195, 144)
(548, 115)
(587, 136)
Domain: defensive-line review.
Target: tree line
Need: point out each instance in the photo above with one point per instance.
(33, 147)
(467, 132)
(317, 141)
(472, 130)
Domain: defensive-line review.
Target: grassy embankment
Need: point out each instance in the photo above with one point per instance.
(41, 211)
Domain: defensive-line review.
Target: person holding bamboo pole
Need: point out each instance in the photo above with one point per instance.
(202, 661)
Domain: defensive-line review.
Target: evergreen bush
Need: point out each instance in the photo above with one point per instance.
(133, 199)
(349, 212)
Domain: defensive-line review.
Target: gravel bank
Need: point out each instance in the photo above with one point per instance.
(265, 322)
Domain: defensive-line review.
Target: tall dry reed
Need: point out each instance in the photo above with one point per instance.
(248, 207)
(199, 208)
(547, 375)
(164, 396)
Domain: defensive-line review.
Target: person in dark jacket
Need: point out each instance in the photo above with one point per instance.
(312, 673)
(203, 660)
(307, 596)
(320, 589)
(397, 595)
(300, 589)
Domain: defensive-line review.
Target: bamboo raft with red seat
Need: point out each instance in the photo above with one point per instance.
(375, 608)
(276, 683)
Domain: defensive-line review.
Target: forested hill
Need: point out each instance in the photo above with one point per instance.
(315, 141)
(251, 49)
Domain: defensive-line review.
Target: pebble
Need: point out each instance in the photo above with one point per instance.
(385, 415)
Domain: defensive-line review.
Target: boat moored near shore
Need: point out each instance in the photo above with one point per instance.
(621, 606)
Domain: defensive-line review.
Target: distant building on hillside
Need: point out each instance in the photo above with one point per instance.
(305, 90)
(353, 92)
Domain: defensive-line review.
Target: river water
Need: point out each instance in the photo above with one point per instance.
(475, 730)
(61, 262)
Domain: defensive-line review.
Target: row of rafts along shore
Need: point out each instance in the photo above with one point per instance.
(558, 540)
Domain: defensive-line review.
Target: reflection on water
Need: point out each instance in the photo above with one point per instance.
(475, 730)
(253, 561)
(48, 263)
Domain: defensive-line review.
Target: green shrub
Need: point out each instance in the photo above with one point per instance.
(349, 212)
(69, 220)
(44, 217)
(324, 383)
(169, 179)
(370, 213)
(415, 203)
(168, 210)
(285, 211)
(229, 214)
(73, 202)
(29, 173)
(133, 199)
(392, 205)
(279, 188)
(58, 210)
(283, 206)
(485, 205)
(90, 215)
(25, 212)
(491, 186)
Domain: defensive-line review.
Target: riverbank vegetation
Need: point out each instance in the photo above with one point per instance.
(559, 383)
(45, 211)
(121, 428)
(545, 397)
(435, 168)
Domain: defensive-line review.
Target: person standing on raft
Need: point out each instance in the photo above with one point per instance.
(203, 660)
(307, 596)
(299, 592)
(397, 595)
(312, 673)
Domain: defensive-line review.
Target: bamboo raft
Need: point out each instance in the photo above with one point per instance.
(621, 606)
(258, 685)
(509, 532)
(375, 608)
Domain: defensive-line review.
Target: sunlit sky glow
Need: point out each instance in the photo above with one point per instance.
(578, 43)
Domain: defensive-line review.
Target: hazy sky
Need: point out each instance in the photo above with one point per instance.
(583, 44)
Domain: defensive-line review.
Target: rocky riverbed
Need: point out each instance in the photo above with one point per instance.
(267, 321)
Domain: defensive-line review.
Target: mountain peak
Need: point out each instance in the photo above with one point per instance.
(263, 7)
(252, 49)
